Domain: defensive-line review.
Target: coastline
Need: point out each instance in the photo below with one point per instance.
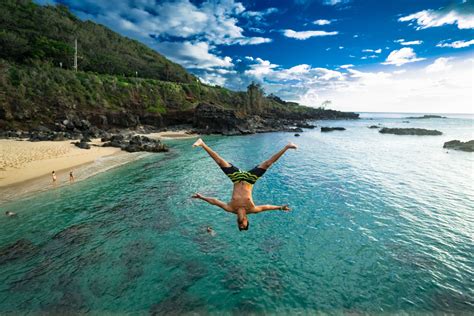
(25, 167)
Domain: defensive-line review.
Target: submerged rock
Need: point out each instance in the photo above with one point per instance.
(410, 131)
(459, 145)
(330, 129)
(297, 135)
(16, 250)
(374, 126)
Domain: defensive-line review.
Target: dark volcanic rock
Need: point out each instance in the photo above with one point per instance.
(212, 119)
(330, 129)
(425, 117)
(82, 145)
(410, 131)
(374, 126)
(305, 125)
(297, 135)
(458, 145)
(136, 143)
(17, 250)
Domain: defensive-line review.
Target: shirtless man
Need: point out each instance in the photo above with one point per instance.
(241, 203)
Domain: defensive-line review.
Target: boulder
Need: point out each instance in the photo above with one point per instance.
(82, 145)
(374, 126)
(330, 129)
(297, 135)
(459, 145)
(410, 131)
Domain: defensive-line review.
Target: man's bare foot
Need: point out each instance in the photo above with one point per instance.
(292, 146)
(198, 143)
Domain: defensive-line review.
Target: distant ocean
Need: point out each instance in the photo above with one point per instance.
(380, 224)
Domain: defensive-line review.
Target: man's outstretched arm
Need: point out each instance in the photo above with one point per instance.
(213, 201)
(262, 208)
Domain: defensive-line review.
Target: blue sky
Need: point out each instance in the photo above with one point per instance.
(413, 56)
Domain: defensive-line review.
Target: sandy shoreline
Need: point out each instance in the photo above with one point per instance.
(26, 167)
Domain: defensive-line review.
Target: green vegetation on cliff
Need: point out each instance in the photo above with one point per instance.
(30, 32)
(38, 85)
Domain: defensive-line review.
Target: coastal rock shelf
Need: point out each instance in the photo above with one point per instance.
(459, 145)
(410, 131)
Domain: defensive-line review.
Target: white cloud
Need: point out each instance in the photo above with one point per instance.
(322, 22)
(303, 35)
(407, 90)
(462, 16)
(405, 43)
(261, 68)
(377, 51)
(402, 56)
(346, 66)
(194, 55)
(456, 44)
(334, 2)
(440, 64)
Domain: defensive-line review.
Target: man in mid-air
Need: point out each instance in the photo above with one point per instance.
(241, 203)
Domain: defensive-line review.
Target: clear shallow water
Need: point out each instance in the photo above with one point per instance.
(380, 223)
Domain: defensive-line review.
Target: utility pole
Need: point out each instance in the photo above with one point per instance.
(75, 54)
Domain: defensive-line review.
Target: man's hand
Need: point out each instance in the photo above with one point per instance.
(197, 196)
(285, 208)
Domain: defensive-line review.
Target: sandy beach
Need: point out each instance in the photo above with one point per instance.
(25, 167)
(23, 160)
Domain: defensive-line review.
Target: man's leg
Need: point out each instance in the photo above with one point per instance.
(218, 159)
(267, 163)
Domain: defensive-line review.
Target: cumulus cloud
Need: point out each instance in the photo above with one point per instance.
(440, 64)
(322, 22)
(402, 56)
(461, 15)
(407, 90)
(303, 35)
(346, 66)
(261, 68)
(194, 55)
(456, 44)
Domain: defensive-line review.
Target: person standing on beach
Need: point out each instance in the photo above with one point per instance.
(53, 176)
(71, 177)
(241, 203)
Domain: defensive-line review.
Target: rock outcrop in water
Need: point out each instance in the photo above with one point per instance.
(330, 129)
(410, 131)
(425, 117)
(374, 126)
(459, 145)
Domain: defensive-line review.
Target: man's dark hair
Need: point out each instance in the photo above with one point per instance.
(246, 228)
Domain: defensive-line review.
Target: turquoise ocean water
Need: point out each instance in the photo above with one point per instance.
(380, 223)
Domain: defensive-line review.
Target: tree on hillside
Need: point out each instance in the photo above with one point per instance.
(255, 98)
